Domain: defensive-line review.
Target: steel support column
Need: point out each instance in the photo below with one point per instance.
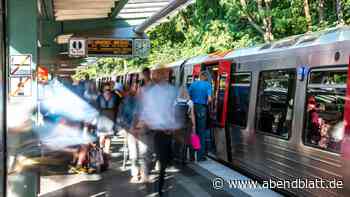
(22, 36)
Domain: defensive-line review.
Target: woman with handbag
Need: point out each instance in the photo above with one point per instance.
(184, 114)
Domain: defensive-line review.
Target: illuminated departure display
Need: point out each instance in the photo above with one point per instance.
(110, 47)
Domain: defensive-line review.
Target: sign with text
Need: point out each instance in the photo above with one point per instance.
(21, 65)
(110, 47)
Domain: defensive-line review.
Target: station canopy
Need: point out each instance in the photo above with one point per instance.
(123, 19)
(92, 17)
(140, 10)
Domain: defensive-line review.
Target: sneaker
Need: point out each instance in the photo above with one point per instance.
(71, 169)
(78, 170)
(82, 170)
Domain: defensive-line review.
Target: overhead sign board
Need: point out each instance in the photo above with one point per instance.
(77, 47)
(110, 47)
(21, 65)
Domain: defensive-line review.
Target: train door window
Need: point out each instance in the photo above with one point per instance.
(239, 99)
(324, 126)
(181, 75)
(275, 102)
(220, 96)
(172, 79)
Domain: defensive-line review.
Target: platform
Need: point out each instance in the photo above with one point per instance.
(181, 181)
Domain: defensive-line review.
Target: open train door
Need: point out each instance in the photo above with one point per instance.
(221, 94)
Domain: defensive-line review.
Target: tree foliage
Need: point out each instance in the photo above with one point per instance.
(208, 26)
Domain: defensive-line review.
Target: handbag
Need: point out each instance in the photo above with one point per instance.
(96, 158)
(195, 142)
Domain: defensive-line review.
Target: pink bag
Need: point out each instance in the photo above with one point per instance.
(195, 142)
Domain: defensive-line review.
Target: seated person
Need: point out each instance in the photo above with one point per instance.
(314, 120)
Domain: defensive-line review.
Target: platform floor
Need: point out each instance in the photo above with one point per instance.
(181, 182)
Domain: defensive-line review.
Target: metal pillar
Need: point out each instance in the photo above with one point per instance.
(22, 39)
(2, 100)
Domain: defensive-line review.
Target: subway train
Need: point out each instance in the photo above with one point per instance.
(280, 110)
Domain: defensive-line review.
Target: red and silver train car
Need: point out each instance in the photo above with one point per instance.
(281, 110)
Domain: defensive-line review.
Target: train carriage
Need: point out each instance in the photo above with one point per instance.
(292, 83)
(280, 109)
(265, 124)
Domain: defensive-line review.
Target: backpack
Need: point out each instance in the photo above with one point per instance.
(181, 112)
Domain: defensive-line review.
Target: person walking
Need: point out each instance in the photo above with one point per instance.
(126, 119)
(107, 106)
(157, 114)
(145, 135)
(201, 95)
(184, 114)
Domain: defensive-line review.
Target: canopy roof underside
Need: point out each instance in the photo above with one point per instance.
(69, 10)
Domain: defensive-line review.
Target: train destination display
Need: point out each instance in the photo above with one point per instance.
(110, 47)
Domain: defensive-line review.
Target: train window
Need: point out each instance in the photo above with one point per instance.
(325, 109)
(218, 107)
(275, 102)
(172, 78)
(239, 99)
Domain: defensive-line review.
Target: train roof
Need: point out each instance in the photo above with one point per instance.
(208, 58)
(176, 64)
(299, 41)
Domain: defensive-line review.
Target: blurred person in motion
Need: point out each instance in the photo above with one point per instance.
(107, 106)
(146, 78)
(119, 90)
(201, 95)
(91, 93)
(77, 87)
(22, 148)
(184, 115)
(146, 136)
(119, 94)
(137, 149)
(157, 115)
(80, 149)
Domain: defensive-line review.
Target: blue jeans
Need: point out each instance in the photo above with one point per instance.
(201, 114)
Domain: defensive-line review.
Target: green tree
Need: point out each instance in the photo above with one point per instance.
(208, 26)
